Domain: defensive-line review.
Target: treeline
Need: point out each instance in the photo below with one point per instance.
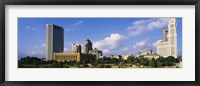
(155, 63)
(34, 62)
(139, 61)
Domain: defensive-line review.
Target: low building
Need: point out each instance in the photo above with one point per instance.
(148, 54)
(87, 56)
(125, 57)
(96, 52)
(119, 57)
(69, 56)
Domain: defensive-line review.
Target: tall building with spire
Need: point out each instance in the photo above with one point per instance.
(168, 46)
(54, 40)
(87, 46)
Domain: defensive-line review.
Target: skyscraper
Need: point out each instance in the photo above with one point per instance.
(168, 46)
(54, 40)
(87, 46)
(165, 32)
(76, 48)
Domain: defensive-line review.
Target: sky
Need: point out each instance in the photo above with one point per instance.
(114, 36)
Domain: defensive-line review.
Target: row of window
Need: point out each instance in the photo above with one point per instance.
(66, 57)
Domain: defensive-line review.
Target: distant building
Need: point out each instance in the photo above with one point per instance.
(125, 57)
(69, 56)
(96, 52)
(88, 57)
(76, 48)
(87, 46)
(168, 46)
(148, 54)
(119, 57)
(111, 56)
(54, 40)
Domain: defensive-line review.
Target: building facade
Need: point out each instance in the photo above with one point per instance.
(54, 40)
(96, 52)
(87, 46)
(76, 48)
(168, 46)
(148, 54)
(125, 57)
(69, 56)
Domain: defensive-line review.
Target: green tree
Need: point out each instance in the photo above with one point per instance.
(152, 63)
(158, 63)
(115, 60)
(136, 60)
(129, 58)
(171, 60)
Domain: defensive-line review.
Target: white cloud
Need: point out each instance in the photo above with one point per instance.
(38, 52)
(78, 23)
(27, 27)
(125, 49)
(73, 26)
(43, 45)
(142, 46)
(31, 28)
(140, 26)
(39, 46)
(114, 41)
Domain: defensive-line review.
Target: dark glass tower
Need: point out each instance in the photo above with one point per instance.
(54, 40)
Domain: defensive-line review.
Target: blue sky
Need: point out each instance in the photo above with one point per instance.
(111, 35)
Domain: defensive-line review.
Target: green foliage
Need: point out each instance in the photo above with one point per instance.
(34, 62)
(29, 60)
(129, 58)
(158, 63)
(144, 61)
(152, 63)
(136, 60)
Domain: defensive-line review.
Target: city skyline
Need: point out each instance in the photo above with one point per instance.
(111, 35)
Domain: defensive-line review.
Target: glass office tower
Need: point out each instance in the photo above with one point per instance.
(54, 40)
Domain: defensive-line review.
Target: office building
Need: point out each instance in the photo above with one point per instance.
(54, 40)
(168, 46)
(87, 46)
(96, 52)
(76, 48)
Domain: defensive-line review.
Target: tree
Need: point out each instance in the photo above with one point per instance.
(115, 60)
(158, 63)
(136, 60)
(142, 61)
(129, 58)
(95, 63)
(29, 60)
(152, 63)
(165, 62)
(171, 60)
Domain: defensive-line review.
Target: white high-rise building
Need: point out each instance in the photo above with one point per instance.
(76, 48)
(168, 46)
